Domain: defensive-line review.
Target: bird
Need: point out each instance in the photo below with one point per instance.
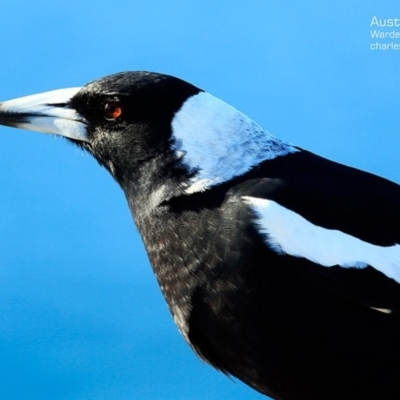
(280, 267)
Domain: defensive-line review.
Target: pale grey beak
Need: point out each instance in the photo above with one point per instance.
(48, 112)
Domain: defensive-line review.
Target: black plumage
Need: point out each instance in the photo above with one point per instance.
(283, 322)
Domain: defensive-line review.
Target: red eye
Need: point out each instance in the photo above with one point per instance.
(112, 109)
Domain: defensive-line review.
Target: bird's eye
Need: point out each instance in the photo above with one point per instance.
(112, 110)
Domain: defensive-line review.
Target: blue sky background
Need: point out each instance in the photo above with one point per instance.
(81, 316)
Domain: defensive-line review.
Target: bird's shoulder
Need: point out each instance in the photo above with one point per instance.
(337, 223)
(326, 193)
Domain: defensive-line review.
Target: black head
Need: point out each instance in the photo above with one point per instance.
(155, 133)
(129, 117)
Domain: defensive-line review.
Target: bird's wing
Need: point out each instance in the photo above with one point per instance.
(343, 221)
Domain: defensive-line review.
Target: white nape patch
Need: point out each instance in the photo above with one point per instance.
(219, 141)
(289, 233)
(43, 113)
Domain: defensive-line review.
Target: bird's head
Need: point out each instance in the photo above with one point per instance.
(150, 130)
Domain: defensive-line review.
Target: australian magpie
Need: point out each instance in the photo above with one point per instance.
(280, 267)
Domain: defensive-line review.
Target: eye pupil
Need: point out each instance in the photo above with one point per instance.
(112, 110)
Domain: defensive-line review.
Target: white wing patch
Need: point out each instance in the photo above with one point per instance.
(220, 142)
(290, 233)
